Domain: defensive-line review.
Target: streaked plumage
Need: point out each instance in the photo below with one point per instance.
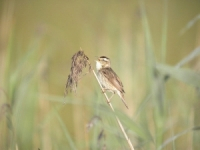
(108, 78)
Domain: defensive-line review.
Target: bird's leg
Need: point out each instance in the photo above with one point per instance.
(111, 97)
(104, 90)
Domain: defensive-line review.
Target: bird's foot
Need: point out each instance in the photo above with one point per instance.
(108, 101)
(103, 90)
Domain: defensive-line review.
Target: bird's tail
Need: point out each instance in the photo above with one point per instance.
(121, 95)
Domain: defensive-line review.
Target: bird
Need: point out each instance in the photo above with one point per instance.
(108, 78)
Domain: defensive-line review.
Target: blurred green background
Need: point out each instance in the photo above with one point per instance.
(145, 40)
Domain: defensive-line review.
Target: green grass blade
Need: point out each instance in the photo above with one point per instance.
(185, 75)
(164, 33)
(189, 57)
(190, 24)
(66, 132)
(172, 139)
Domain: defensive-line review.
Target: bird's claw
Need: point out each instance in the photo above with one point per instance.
(108, 101)
(103, 91)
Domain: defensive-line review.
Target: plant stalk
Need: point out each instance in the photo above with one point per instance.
(118, 121)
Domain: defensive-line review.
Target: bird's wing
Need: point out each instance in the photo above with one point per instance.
(113, 78)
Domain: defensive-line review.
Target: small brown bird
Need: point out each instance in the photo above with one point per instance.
(108, 78)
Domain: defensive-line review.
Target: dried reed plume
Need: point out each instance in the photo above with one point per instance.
(79, 62)
(101, 135)
(92, 122)
(4, 109)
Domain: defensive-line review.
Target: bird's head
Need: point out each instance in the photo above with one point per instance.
(102, 62)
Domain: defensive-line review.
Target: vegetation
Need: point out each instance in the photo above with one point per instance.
(153, 47)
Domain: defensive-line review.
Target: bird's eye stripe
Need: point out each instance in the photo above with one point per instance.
(103, 57)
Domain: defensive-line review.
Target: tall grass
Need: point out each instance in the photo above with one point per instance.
(161, 108)
(163, 98)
